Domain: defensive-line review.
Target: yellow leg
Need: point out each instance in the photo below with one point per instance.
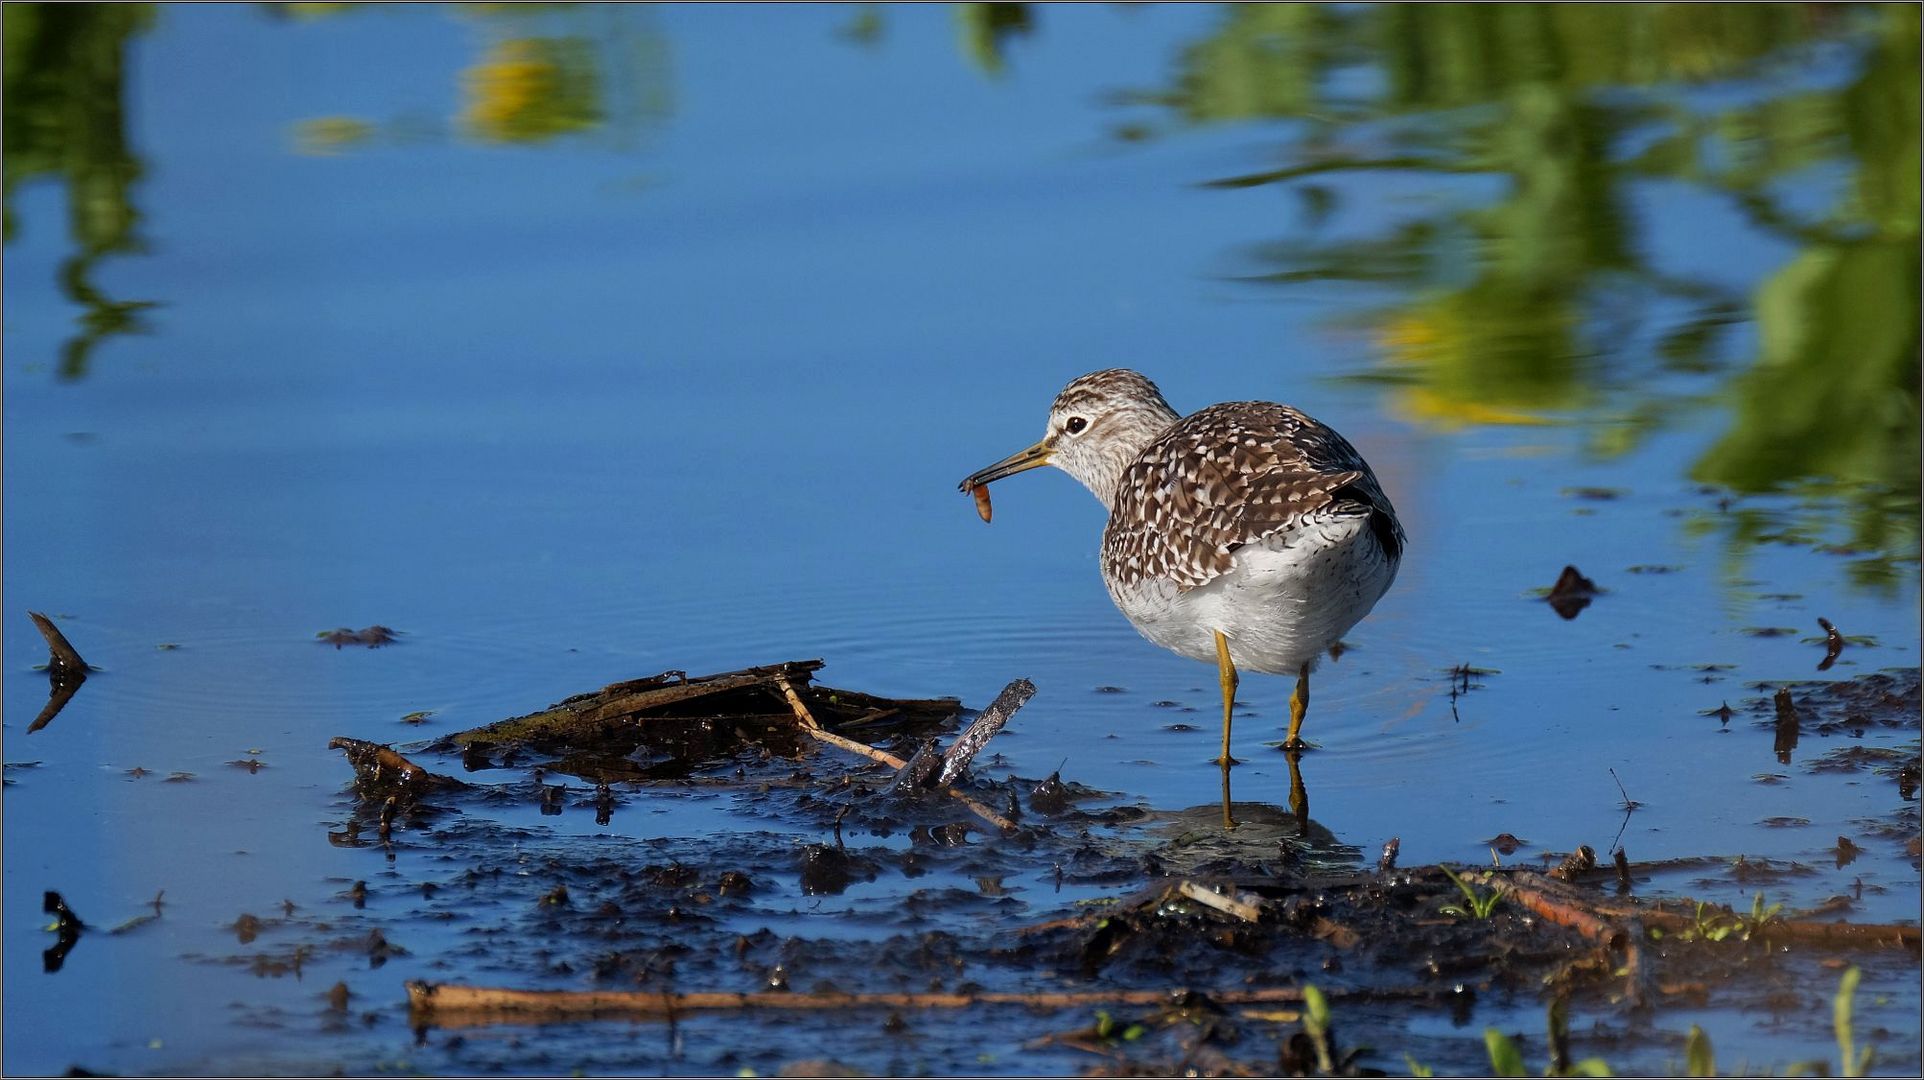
(1226, 669)
(1229, 820)
(1298, 705)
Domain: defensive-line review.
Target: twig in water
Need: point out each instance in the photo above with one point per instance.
(452, 1006)
(1209, 898)
(1629, 805)
(812, 728)
(1628, 802)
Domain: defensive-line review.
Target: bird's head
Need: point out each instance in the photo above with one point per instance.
(1098, 424)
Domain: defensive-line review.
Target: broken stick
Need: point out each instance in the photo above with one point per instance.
(816, 731)
(1231, 906)
(1535, 893)
(455, 1006)
(1594, 918)
(983, 728)
(813, 729)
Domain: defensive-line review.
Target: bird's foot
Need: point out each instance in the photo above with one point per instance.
(1226, 761)
(1297, 745)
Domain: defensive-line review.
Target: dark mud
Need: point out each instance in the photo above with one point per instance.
(811, 871)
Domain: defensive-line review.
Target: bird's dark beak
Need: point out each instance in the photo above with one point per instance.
(1021, 461)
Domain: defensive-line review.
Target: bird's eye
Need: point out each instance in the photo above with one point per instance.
(1075, 425)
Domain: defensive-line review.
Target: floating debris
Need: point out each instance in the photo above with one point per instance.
(1050, 796)
(1788, 726)
(67, 926)
(1462, 681)
(1578, 862)
(373, 637)
(1506, 843)
(63, 661)
(1833, 643)
(65, 671)
(1571, 593)
(380, 772)
(247, 928)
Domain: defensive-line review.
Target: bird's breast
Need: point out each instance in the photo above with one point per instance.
(1283, 601)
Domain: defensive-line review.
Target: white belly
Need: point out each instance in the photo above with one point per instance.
(1282, 604)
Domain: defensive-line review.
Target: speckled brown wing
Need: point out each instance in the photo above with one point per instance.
(1230, 475)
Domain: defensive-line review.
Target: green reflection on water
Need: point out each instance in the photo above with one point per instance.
(1834, 391)
(1530, 306)
(1538, 304)
(64, 119)
(986, 29)
(543, 71)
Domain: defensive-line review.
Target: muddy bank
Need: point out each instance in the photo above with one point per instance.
(1086, 933)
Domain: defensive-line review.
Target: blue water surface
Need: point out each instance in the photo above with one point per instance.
(690, 386)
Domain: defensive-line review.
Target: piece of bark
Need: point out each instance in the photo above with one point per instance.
(956, 760)
(378, 768)
(918, 773)
(64, 660)
(65, 671)
(618, 710)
